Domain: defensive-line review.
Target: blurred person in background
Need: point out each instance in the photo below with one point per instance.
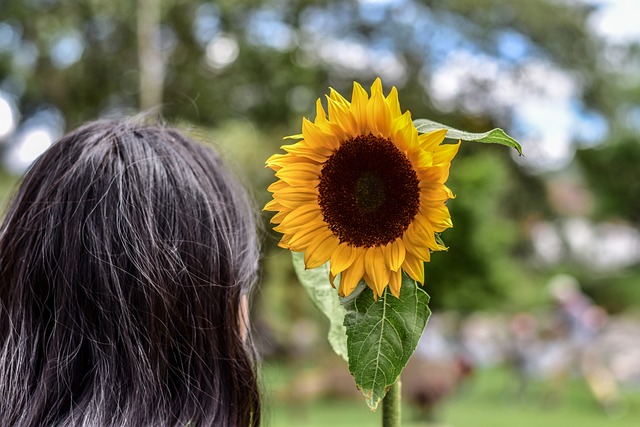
(579, 322)
(126, 260)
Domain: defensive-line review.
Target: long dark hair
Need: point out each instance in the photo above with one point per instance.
(124, 259)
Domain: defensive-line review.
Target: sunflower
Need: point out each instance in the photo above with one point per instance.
(363, 190)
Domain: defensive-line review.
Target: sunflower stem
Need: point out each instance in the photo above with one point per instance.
(391, 406)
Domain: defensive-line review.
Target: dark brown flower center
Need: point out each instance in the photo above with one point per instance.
(369, 192)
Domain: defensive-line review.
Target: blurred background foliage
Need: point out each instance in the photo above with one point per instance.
(242, 73)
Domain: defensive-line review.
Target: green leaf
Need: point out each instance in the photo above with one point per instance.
(495, 136)
(325, 297)
(382, 335)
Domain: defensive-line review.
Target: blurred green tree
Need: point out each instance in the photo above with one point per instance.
(245, 71)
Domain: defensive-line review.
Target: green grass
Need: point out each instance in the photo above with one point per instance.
(482, 402)
(487, 403)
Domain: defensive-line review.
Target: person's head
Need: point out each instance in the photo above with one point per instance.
(124, 260)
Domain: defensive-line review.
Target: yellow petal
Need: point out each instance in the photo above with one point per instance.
(278, 185)
(423, 228)
(376, 86)
(405, 134)
(315, 136)
(273, 206)
(420, 158)
(278, 161)
(394, 254)
(321, 116)
(414, 267)
(376, 269)
(342, 258)
(292, 197)
(350, 278)
(438, 174)
(359, 100)
(378, 115)
(430, 141)
(301, 216)
(319, 252)
(368, 282)
(304, 236)
(299, 174)
(290, 191)
(395, 282)
(449, 192)
(416, 247)
(445, 153)
(341, 115)
(335, 96)
(301, 151)
(332, 279)
(393, 103)
(438, 216)
(277, 218)
(412, 243)
(434, 194)
(284, 242)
